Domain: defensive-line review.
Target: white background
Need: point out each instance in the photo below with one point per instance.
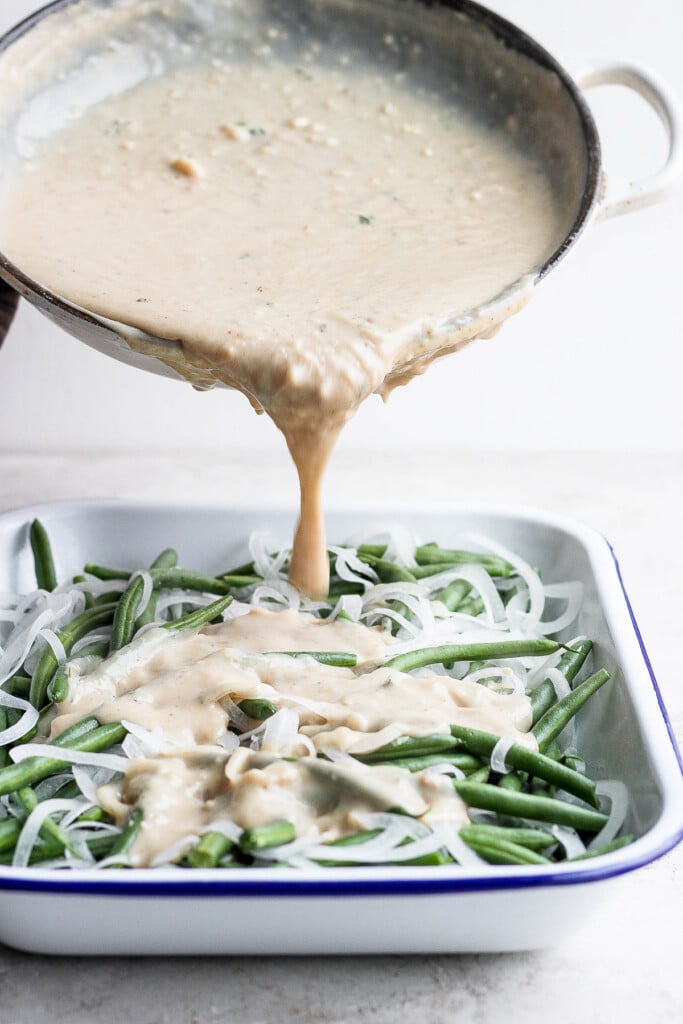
(594, 363)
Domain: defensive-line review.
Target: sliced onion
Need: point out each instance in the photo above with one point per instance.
(572, 592)
(25, 723)
(236, 716)
(225, 826)
(90, 779)
(268, 566)
(148, 742)
(505, 674)
(569, 839)
(92, 638)
(449, 835)
(499, 753)
(48, 787)
(281, 731)
(289, 850)
(618, 796)
(29, 833)
(53, 641)
(173, 853)
(113, 761)
(531, 618)
(147, 588)
(229, 742)
(21, 641)
(266, 595)
(360, 854)
(559, 681)
(350, 604)
(401, 547)
(350, 568)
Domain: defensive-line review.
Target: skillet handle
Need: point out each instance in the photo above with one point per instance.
(8, 307)
(624, 194)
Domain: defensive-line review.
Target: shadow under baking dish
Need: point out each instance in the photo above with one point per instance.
(623, 733)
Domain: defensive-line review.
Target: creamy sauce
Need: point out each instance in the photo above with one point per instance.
(311, 235)
(310, 232)
(184, 690)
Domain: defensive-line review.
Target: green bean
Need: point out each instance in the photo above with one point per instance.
(554, 751)
(598, 851)
(357, 838)
(236, 582)
(554, 721)
(10, 830)
(570, 664)
(201, 616)
(87, 596)
(410, 746)
(76, 732)
(111, 597)
(532, 838)
(388, 572)
(480, 775)
(572, 761)
(4, 753)
(338, 659)
(38, 729)
(123, 628)
(500, 851)
(257, 709)
(104, 572)
(472, 606)
(69, 635)
(33, 769)
(58, 689)
(19, 685)
(248, 569)
(511, 781)
(187, 579)
(46, 577)
(465, 762)
(536, 808)
(99, 846)
(169, 578)
(428, 554)
(94, 814)
(339, 588)
(49, 830)
(436, 857)
(168, 559)
(209, 850)
(423, 572)
(482, 745)
(454, 594)
(262, 837)
(124, 842)
(471, 652)
(431, 554)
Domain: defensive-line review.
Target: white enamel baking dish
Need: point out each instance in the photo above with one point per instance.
(624, 733)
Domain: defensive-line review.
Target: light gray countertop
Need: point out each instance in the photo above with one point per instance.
(624, 964)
